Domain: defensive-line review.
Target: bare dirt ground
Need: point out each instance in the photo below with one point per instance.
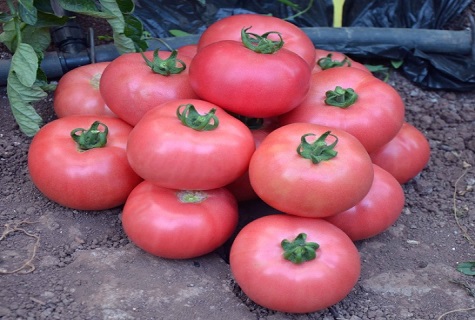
(59, 263)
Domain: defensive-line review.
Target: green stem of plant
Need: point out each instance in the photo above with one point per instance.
(189, 116)
(328, 63)
(299, 250)
(261, 43)
(91, 138)
(318, 150)
(341, 98)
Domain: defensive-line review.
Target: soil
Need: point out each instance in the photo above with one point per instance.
(60, 263)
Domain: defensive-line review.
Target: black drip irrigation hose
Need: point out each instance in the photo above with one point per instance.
(75, 50)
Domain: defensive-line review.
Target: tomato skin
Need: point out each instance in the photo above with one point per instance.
(375, 117)
(157, 221)
(229, 28)
(378, 210)
(164, 151)
(78, 92)
(338, 56)
(95, 179)
(406, 155)
(247, 83)
(258, 266)
(294, 185)
(130, 88)
(188, 50)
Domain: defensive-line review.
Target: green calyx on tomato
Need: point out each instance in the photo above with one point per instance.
(318, 150)
(91, 138)
(327, 62)
(260, 43)
(191, 196)
(190, 117)
(299, 250)
(341, 98)
(165, 67)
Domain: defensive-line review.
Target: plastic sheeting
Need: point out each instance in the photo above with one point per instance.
(429, 70)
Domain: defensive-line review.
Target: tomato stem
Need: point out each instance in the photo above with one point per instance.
(190, 117)
(165, 67)
(327, 62)
(191, 196)
(260, 43)
(319, 150)
(299, 250)
(341, 98)
(91, 138)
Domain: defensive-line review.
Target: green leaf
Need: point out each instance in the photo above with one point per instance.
(291, 4)
(38, 38)
(467, 268)
(49, 20)
(178, 33)
(24, 64)
(126, 6)
(5, 17)
(86, 7)
(9, 36)
(135, 31)
(396, 63)
(27, 11)
(22, 89)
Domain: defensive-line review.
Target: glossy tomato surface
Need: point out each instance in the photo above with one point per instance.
(374, 118)
(229, 28)
(406, 155)
(78, 92)
(130, 87)
(266, 277)
(94, 179)
(295, 185)
(178, 224)
(248, 83)
(163, 150)
(378, 210)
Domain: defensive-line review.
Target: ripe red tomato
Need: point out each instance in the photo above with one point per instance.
(406, 155)
(306, 184)
(378, 210)
(258, 265)
(78, 92)
(374, 117)
(95, 179)
(229, 28)
(178, 224)
(130, 87)
(188, 50)
(333, 59)
(248, 83)
(167, 152)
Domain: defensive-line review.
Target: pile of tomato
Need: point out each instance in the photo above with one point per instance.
(253, 111)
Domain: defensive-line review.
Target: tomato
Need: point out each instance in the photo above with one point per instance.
(78, 92)
(378, 210)
(179, 224)
(229, 28)
(406, 155)
(241, 187)
(267, 277)
(164, 150)
(355, 101)
(310, 170)
(332, 59)
(249, 83)
(130, 87)
(188, 50)
(95, 179)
